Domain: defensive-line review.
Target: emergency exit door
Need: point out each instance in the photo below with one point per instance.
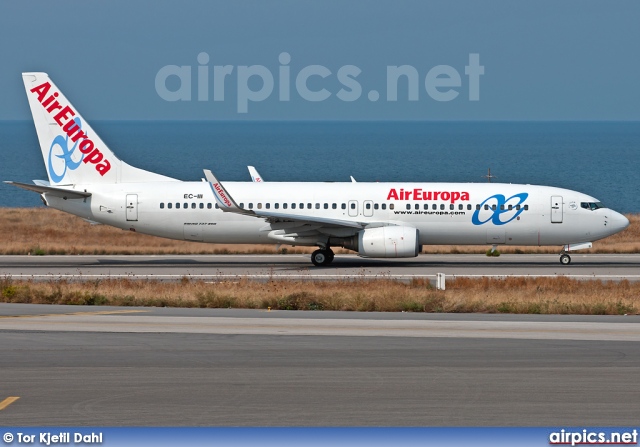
(556, 209)
(132, 207)
(353, 208)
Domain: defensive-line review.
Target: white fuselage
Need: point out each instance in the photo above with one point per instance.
(509, 214)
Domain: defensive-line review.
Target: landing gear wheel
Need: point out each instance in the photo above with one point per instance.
(331, 255)
(321, 257)
(565, 259)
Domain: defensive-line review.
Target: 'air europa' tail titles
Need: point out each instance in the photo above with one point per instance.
(74, 154)
(91, 154)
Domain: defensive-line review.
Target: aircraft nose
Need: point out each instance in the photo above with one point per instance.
(618, 222)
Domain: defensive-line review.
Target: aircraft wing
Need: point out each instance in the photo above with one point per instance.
(52, 190)
(227, 204)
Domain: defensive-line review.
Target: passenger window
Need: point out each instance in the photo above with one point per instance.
(201, 205)
(308, 206)
(343, 206)
(169, 205)
(242, 205)
(353, 206)
(284, 206)
(493, 207)
(326, 206)
(217, 206)
(486, 207)
(408, 206)
(384, 206)
(161, 205)
(502, 207)
(317, 206)
(517, 207)
(434, 207)
(276, 205)
(442, 206)
(461, 206)
(477, 207)
(368, 206)
(451, 206)
(267, 205)
(526, 207)
(293, 206)
(259, 206)
(193, 205)
(177, 205)
(186, 205)
(375, 206)
(469, 206)
(510, 207)
(391, 206)
(251, 206)
(335, 206)
(208, 206)
(302, 206)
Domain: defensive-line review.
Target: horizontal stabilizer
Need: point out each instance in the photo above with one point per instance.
(51, 190)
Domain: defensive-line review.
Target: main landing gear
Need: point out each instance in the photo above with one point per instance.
(565, 259)
(322, 257)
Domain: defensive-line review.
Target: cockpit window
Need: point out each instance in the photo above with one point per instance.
(591, 205)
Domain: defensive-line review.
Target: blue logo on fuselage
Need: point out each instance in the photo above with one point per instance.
(500, 207)
(66, 155)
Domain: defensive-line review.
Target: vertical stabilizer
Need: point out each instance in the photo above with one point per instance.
(73, 153)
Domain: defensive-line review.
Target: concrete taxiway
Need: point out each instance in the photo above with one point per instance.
(82, 365)
(212, 267)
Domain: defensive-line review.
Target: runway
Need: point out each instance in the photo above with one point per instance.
(110, 366)
(219, 267)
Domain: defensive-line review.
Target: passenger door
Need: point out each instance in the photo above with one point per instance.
(132, 207)
(556, 209)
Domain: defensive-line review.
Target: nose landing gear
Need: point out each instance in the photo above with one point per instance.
(322, 257)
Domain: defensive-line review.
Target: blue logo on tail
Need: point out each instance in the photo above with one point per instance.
(66, 155)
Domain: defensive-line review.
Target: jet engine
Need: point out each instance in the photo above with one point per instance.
(385, 242)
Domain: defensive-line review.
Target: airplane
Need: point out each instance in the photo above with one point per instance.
(376, 220)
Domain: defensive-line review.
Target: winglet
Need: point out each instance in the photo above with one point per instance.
(352, 179)
(224, 199)
(255, 175)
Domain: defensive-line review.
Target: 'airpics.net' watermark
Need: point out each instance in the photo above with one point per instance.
(256, 83)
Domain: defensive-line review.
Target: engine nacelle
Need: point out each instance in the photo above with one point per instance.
(389, 242)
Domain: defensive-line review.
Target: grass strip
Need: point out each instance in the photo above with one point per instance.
(486, 295)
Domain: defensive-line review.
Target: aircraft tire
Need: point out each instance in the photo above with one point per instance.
(565, 259)
(319, 258)
(322, 257)
(330, 255)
